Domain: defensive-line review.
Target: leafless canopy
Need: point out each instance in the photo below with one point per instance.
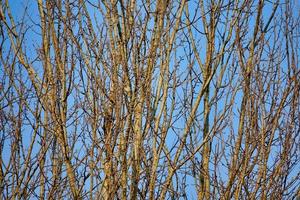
(149, 99)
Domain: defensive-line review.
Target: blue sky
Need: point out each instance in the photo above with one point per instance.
(33, 39)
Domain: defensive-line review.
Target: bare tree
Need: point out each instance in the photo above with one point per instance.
(150, 99)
